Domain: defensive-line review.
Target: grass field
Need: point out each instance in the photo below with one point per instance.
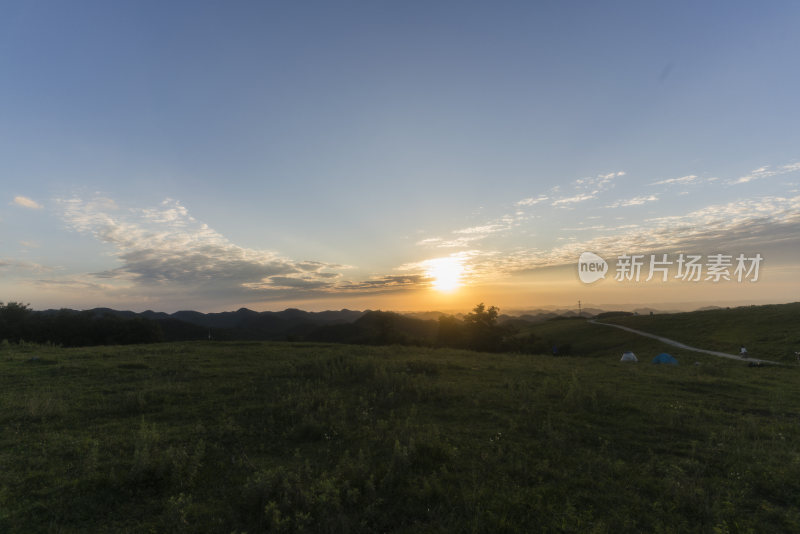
(768, 332)
(279, 437)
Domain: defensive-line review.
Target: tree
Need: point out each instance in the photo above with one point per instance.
(483, 332)
(13, 321)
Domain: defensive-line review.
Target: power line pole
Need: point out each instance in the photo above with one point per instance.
(579, 309)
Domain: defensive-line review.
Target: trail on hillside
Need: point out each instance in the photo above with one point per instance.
(684, 346)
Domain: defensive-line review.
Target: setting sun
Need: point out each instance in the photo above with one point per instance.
(446, 273)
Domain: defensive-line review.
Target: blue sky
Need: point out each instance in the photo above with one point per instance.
(212, 155)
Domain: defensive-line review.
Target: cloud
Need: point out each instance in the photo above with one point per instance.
(586, 228)
(164, 254)
(763, 223)
(464, 237)
(532, 201)
(766, 172)
(19, 266)
(287, 282)
(74, 284)
(577, 198)
(587, 189)
(635, 201)
(165, 248)
(385, 283)
(744, 224)
(611, 175)
(482, 230)
(582, 188)
(682, 180)
(26, 202)
(458, 242)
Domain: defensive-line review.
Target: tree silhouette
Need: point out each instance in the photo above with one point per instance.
(73, 329)
(14, 321)
(483, 332)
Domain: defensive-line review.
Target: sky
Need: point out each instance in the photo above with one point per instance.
(398, 155)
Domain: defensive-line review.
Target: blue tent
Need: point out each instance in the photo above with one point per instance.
(665, 358)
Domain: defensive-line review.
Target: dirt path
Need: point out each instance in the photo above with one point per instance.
(686, 347)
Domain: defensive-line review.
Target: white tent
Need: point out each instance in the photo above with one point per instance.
(628, 357)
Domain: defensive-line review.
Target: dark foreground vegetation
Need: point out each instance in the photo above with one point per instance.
(68, 328)
(769, 332)
(477, 330)
(299, 437)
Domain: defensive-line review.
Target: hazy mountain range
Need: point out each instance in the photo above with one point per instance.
(294, 324)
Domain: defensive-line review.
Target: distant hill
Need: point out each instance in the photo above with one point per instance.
(241, 324)
(379, 328)
(426, 316)
(349, 326)
(771, 332)
(343, 326)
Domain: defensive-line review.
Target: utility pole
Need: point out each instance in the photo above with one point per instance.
(579, 309)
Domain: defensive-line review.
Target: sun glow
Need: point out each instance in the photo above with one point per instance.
(446, 273)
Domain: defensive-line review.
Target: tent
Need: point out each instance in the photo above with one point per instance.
(628, 357)
(665, 358)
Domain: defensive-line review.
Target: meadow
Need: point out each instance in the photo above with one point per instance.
(770, 332)
(248, 437)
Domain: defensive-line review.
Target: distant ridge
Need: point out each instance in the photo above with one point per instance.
(293, 324)
(109, 326)
(240, 324)
(352, 326)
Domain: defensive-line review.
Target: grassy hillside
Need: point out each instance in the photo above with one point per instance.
(578, 337)
(255, 437)
(770, 332)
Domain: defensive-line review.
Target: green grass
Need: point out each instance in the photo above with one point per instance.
(272, 437)
(769, 332)
(578, 337)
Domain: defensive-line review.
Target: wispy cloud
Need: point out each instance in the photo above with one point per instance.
(581, 189)
(532, 201)
(575, 199)
(483, 229)
(744, 225)
(26, 202)
(605, 178)
(586, 189)
(747, 223)
(769, 221)
(385, 283)
(465, 237)
(458, 242)
(683, 180)
(635, 201)
(18, 266)
(766, 172)
(73, 284)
